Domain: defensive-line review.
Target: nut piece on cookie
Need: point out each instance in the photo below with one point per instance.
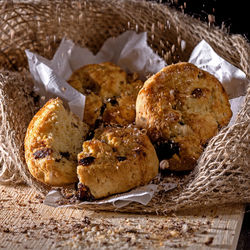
(53, 140)
(182, 107)
(110, 93)
(116, 160)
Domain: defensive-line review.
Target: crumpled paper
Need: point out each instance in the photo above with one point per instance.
(141, 194)
(131, 52)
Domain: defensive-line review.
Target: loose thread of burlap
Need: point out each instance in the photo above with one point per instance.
(222, 173)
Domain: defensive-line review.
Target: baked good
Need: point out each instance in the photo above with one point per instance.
(53, 139)
(182, 107)
(116, 160)
(121, 110)
(110, 93)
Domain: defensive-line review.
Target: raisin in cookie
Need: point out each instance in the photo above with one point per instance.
(53, 140)
(182, 107)
(116, 160)
(110, 93)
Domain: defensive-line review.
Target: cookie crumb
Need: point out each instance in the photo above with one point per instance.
(209, 241)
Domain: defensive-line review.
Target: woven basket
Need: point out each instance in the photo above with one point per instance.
(222, 173)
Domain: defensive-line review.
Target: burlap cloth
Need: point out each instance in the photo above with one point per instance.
(223, 172)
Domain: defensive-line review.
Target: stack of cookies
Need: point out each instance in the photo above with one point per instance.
(128, 127)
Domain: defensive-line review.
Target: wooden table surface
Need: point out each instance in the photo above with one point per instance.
(26, 223)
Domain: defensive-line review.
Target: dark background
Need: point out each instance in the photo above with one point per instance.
(234, 17)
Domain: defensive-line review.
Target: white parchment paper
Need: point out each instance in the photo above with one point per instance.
(131, 52)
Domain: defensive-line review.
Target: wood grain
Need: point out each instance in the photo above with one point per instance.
(26, 223)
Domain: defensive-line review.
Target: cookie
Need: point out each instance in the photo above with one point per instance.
(110, 93)
(116, 160)
(121, 110)
(53, 140)
(182, 107)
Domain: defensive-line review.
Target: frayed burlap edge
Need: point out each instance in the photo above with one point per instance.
(222, 173)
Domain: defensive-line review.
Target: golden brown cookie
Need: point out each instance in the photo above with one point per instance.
(110, 93)
(120, 110)
(182, 107)
(53, 140)
(116, 160)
